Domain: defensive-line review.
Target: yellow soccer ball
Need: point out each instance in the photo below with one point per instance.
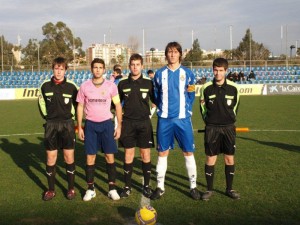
(146, 215)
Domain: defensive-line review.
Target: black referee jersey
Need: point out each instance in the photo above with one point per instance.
(219, 104)
(135, 96)
(58, 101)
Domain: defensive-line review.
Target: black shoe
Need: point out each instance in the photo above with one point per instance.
(157, 194)
(206, 196)
(147, 191)
(125, 192)
(233, 194)
(195, 194)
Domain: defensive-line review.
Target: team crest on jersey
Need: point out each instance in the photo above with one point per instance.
(67, 100)
(102, 92)
(144, 95)
(182, 77)
(229, 101)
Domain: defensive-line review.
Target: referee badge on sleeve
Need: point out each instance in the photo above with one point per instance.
(144, 95)
(229, 102)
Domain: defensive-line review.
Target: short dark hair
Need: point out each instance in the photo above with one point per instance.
(118, 71)
(97, 60)
(60, 61)
(220, 62)
(176, 45)
(117, 66)
(136, 56)
(149, 71)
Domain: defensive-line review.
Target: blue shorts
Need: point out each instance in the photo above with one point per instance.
(99, 135)
(180, 129)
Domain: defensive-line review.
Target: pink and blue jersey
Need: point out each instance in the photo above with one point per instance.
(97, 100)
(174, 92)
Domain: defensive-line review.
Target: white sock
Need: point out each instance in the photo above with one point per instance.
(161, 169)
(191, 168)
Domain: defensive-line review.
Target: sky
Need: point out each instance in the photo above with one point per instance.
(274, 23)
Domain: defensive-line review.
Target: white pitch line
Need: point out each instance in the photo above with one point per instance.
(195, 130)
(144, 200)
(275, 130)
(25, 134)
(256, 130)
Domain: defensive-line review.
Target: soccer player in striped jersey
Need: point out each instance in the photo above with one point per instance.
(174, 87)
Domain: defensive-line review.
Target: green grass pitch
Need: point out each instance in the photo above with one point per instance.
(267, 173)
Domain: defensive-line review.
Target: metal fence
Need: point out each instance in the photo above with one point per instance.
(242, 64)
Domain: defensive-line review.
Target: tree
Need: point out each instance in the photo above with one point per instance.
(258, 51)
(30, 53)
(133, 43)
(227, 54)
(120, 59)
(113, 61)
(195, 54)
(8, 57)
(58, 41)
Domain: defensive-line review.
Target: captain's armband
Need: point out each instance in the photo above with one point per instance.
(191, 88)
(116, 99)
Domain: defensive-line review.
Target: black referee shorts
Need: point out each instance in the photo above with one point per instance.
(136, 134)
(59, 135)
(219, 139)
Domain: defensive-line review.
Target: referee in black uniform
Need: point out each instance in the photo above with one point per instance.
(57, 102)
(219, 100)
(135, 92)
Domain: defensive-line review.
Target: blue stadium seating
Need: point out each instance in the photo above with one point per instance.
(269, 74)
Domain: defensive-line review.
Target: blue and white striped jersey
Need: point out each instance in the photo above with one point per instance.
(174, 92)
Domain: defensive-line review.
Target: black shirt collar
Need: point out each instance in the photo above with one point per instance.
(139, 80)
(223, 85)
(63, 82)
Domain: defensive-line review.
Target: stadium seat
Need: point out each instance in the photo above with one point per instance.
(24, 82)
